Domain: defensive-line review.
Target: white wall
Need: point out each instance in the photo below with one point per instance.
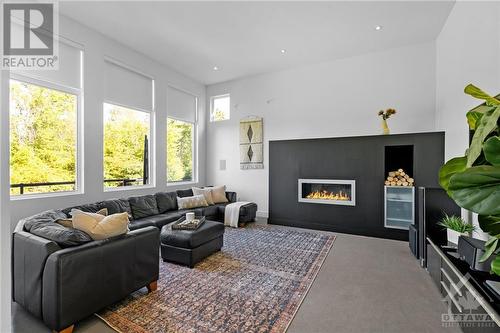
(332, 99)
(467, 51)
(96, 46)
(5, 232)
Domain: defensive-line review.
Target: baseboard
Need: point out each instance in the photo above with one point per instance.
(262, 214)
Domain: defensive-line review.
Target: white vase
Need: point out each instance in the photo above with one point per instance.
(453, 236)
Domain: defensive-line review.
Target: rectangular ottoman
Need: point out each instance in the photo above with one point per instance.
(189, 247)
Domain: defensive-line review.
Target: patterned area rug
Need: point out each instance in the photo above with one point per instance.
(255, 284)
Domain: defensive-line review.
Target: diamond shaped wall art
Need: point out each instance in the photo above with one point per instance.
(251, 143)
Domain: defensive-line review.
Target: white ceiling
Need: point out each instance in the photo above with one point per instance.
(245, 38)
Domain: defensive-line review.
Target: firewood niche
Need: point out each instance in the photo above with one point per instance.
(399, 166)
(399, 178)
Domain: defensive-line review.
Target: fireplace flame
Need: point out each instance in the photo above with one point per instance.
(326, 195)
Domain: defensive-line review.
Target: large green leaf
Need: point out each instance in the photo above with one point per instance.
(490, 224)
(473, 118)
(489, 249)
(495, 265)
(457, 164)
(477, 189)
(486, 126)
(478, 93)
(491, 150)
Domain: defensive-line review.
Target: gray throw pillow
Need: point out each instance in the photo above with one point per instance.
(166, 201)
(63, 236)
(143, 206)
(42, 218)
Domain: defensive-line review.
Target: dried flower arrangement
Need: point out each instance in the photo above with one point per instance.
(387, 113)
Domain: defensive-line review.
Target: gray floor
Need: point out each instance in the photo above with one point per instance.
(365, 285)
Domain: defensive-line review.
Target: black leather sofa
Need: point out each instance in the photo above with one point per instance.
(61, 276)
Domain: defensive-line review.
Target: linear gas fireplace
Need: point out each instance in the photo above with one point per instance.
(328, 191)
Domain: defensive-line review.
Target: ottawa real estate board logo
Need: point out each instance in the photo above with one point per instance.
(29, 33)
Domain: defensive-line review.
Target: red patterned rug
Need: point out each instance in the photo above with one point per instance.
(255, 284)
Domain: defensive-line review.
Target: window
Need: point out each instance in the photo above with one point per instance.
(181, 136)
(128, 118)
(220, 108)
(180, 139)
(126, 146)
(44, 120)
(43, 139)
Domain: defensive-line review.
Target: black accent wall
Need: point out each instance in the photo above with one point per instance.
(363, 159)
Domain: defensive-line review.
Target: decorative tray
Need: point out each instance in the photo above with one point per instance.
(182, 224)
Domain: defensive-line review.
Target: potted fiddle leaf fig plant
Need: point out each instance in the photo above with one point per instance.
(473, 180)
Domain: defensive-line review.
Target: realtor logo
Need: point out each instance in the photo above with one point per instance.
(28, 38)
(463, 309)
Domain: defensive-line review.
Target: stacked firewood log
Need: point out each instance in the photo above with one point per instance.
(399, 178)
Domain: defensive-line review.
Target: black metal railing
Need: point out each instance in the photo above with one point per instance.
(120, 182)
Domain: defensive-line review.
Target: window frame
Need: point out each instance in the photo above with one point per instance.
(212, 100)
(194, 139)
(151, 140)
(79, 183)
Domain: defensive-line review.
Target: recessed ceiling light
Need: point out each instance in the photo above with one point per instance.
(378, 27)
(216, 68)
(283, 51)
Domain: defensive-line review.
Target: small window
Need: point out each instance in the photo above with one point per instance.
(126, 146)
(180, 152)
(43, 139)
(220, 108)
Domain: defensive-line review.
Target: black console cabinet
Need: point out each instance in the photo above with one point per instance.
(463, 291)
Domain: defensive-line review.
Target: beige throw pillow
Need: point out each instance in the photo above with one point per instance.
(98, 226)
(68, 223)
(219, 193)
(206, 192)
(192, 202)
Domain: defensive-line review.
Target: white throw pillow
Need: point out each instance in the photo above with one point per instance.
(219, 193)
(206, 192)
(192, 202)
(98, 226)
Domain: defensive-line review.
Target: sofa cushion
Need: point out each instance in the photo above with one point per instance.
(115, 206)
(161, 219)
(166, 201)
(143, 206)
(42, 218)
(89, 208)
(221, 207)
(185, 193)
(188, 239)
(141, 223)
(248, 209)
(207, 211)
(63, 236)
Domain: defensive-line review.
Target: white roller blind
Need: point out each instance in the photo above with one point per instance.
(127, 88)
(181, 105)
(69, 72)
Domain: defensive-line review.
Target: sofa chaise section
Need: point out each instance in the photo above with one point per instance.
(62, 286)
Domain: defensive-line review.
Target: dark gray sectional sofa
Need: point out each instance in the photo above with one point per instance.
(62, 276)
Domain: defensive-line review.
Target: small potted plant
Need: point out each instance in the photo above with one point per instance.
(386, 115)
(456, 226)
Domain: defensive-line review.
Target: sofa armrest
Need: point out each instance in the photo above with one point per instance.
(231, 196)
(29, 254)
(81, 280)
